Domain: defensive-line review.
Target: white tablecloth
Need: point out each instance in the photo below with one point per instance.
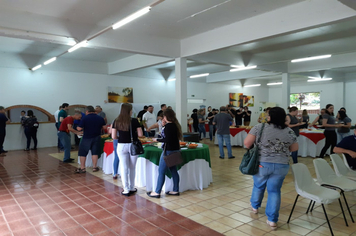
(195, 175)
(309, 148)
(237, 140)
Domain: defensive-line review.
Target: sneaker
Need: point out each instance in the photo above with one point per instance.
(68, 161)
(3, 151)
(232, 157)
(221, 157)
(271, 224)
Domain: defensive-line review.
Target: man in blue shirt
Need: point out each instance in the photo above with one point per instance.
(3, 121)
(347, 146)
(92, 125)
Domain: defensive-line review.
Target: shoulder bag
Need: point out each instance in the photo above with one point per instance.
(136, 146)
(250, 160)
(172, 159)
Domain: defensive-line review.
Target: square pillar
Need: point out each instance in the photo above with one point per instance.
(181, 92)
(285, 91)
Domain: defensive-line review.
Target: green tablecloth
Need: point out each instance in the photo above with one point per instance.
(153, 154)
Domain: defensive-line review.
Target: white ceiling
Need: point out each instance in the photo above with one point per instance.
(26, 27)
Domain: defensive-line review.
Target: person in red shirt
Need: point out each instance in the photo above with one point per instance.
(64, 134)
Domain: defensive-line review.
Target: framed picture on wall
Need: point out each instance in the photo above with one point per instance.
(120, 95)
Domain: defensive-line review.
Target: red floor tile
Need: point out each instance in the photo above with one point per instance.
(66, 223)
(20, 225)
(101, 214)
(143, 226)
(46, 228)
(15, 216)
(75, 211)
(95, 227)
(76, 231)
(40, 219)
(26, 232)
(157, 232)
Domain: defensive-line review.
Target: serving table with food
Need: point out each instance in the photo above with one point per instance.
(237, 135)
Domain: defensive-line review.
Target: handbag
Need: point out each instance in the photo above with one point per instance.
(136, 146)
(172, 159)
(250, 161)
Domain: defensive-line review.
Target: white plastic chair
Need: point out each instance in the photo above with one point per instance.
(340, 168)
(346, 163)
(307, 188)
(327, 178)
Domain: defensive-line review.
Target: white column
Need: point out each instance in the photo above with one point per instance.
(181, 92)
(285, 91)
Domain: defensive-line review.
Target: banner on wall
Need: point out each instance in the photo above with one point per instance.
(241, 100)
(120, 95)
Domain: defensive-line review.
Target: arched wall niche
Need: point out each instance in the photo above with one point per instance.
(14, 113)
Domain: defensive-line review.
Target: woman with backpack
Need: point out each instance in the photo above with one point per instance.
(30, 124)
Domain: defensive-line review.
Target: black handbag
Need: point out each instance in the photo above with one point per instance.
(250, 161)
(136, 146)
(172, 159)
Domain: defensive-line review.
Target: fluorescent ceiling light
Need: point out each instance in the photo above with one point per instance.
(195, 100)
(50, 60)
(173, 79)
(36, 67)
(243, 68)
(252, 85)
(131, 17)
(236, 66)
(78, 45)
(200, 75)
(277, 83)
(317, 80)
(311, 58)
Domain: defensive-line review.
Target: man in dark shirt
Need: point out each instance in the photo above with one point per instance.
(163, 108)
(222, 122)
(64, 134)
(140, 114)
(347, 146)
(238, 116)
(63, 113)
(92, 125)
(210, 117)
(3, 121)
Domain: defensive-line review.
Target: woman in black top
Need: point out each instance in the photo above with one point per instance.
(247, 116)
(194, 117)
(173, 133)
(125, 126)
(31, 125)
(293, 123)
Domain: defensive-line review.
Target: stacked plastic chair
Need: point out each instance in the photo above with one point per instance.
(340, 167)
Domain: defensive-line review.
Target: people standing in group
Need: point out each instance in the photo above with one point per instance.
(160, 112)
(201, 125)
(3, 121)
(172, 135)
(194, 117)
(247, 116)
(305, 119)
(92, 126)
(140, 115)
(277, 141)
(99, 112)
(149, 118)
(345, 124)
(128, 128)
(330, 127)
(210, 118)
(30, 125)
(263, 116)
(55, 114)
(293, 123)
(222, 122)
(319, 119)
(238, 116)
(64, 134)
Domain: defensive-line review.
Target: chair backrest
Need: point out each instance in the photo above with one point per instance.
(346, 163)
(339, 165)
(303, 180)
(323, 170)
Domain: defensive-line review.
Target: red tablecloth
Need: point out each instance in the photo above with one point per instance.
(234, 131)
(108, 148)
(315, 137)
(206, 128)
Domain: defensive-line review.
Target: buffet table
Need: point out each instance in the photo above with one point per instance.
(195, 171)
(237, 136)
(311, 143)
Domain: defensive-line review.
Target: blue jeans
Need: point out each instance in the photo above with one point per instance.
(294, 156)
(162, 173)
(341, 136)
(202, 130)
(211, 132)
(221, 139)
(65, 141)
(271, 175)
(59, 145)
(116, 157)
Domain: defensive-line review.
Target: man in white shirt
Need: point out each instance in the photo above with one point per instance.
(149, 119)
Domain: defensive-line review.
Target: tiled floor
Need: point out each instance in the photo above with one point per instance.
(41, 196)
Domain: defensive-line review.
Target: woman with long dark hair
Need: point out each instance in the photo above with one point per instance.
(126, 126)
(30, 124)
(293, 123)
(277, 141)
(172, 135)
(345, 121)
(194, 117)
(330, 126)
